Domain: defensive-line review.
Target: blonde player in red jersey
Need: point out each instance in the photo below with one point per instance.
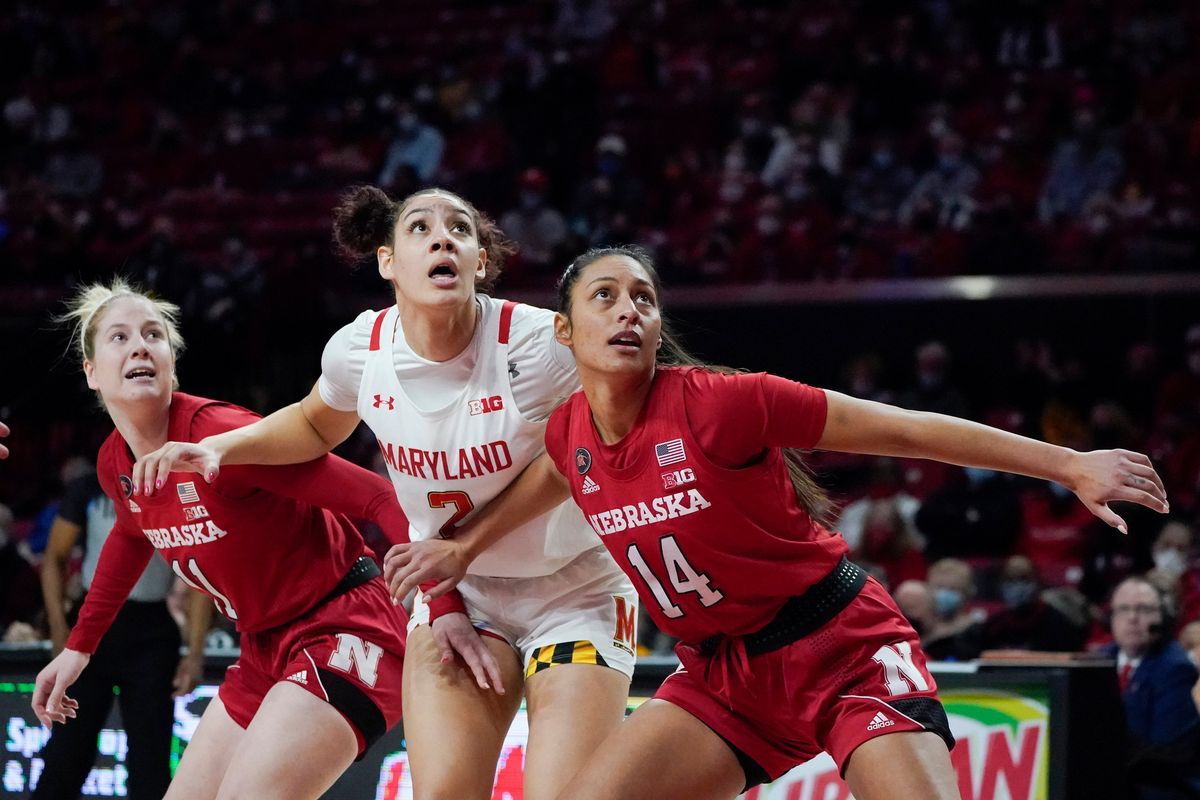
(787, 648)
(457, 386)
(322, 646)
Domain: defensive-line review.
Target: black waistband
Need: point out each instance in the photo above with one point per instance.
(359, 573)
(805, 613)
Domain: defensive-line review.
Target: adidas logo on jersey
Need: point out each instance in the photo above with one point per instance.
(589, 485)
(300, 677)
(880, 721)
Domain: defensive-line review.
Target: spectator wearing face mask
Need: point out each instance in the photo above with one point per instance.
(1175, 566)
(947, 188)
(417, 146)
(1027, 622)
(879, 186)
(956, 633)
(1083, 165)
(539, 228)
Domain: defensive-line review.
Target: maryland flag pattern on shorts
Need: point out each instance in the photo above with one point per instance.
(563, 653)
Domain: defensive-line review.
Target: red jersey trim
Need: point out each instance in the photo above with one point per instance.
(376, 328)
(506, 313)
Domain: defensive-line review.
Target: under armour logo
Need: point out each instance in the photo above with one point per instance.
(380, 400)
(512, 369)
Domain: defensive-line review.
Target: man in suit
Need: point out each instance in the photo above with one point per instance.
(1156, 678)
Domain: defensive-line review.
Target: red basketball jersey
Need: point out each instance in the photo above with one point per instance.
(712, 549)
(259, 540)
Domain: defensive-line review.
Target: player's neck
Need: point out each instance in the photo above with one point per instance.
(615, 401)
(439, 334)
(142, 425)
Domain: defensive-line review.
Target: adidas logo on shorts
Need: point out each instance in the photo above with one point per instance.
(880, 721)
(590, 485)
(300, 677)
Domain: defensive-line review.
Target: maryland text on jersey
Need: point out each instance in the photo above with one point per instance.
(466, 462)
(184, 535)
(670, 506)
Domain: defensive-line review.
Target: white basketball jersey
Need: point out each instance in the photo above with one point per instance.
(449, 462)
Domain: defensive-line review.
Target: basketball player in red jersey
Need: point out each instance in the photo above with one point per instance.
(322, 647)
(457, 387)
(787, 648)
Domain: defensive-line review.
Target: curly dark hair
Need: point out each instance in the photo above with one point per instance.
(365, 219)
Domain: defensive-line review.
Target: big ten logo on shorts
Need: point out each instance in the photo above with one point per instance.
(625, 635)
(678, 478)
(486, 405)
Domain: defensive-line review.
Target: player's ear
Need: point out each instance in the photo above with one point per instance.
(384, 256)
(89, 371)
(562, 329)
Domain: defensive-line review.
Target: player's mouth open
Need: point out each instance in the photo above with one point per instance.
(443, 273)
(626, 339)
(143, 373)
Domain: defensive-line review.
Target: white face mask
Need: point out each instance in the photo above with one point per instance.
(1170, 561)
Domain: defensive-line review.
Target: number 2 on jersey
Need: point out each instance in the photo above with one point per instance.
(462, 506)
(683, 576)
(201, 584)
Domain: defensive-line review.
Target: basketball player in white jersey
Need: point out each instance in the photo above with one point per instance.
(457, 387)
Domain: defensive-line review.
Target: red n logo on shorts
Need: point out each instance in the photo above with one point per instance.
(625, 636)
(900, 674)
(354, 656)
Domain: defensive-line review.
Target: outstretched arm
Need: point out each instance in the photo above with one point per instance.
(293, 434)
(1098, 477)
(538, 489)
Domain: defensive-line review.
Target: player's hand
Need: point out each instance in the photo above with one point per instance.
(454, 634)
(1101, 476)
(4, 431)
(151, 470)
(50, 701)
(440, 561)
(188, 674)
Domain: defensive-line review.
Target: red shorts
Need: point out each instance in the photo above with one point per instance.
(859, 676)
(349, 652)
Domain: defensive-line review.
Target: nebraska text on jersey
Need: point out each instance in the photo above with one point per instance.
(184, 535)
(466, 462)
(670, 506)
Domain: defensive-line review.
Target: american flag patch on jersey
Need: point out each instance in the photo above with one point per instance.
(187, 492)
(669, 452)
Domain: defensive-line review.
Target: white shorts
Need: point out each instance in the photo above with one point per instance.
(585, 613)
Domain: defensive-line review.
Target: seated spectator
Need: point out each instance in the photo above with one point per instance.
(878, 187)
(885, 487)
(915, 602)
(932, 391)
(1027, 622)
(956, 633)
(417, 145)
(1156, 679)
(947, 187)
(1083, 165)
(536, 226)
(20, 595)
(1176, 567)
(887, 543)
(1056, 530)
(976, 515)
